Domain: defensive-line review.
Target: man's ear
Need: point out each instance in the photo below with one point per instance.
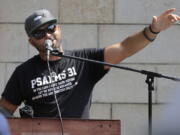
(31, 41)
(58, 27)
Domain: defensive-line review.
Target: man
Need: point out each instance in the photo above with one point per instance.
(71, 81)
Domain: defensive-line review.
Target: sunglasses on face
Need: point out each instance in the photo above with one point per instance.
(41, 33)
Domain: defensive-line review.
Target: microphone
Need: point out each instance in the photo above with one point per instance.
(48, 45)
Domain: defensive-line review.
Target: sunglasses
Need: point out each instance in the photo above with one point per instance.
(41, 33)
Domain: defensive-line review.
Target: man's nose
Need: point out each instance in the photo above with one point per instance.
(48, 35)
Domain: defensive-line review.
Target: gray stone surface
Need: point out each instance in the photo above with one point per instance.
(134, 117)
(110, 34)
(79, 36)
(2, 76)
(163, 50)
(17, 10)
(167, 88)
(141, 11)
(100, 111)
(13, 46)
(120, 86)
(86, 11)
(10, 67)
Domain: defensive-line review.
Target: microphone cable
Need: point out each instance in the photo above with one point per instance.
(55, 97)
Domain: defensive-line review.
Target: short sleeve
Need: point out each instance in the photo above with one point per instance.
(12, 91)
(97, 71)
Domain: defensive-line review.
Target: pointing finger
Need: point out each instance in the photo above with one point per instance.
(169, 11)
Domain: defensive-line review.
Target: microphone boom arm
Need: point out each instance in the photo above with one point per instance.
(145, 72)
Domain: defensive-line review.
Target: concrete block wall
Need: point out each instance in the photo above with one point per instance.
(97, 23)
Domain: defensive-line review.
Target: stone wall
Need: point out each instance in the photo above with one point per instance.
(97, 23)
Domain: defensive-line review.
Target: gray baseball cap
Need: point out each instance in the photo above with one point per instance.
(37, 19)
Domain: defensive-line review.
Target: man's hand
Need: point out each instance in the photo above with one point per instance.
(164, 21)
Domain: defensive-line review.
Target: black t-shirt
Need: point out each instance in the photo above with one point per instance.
(70, 79)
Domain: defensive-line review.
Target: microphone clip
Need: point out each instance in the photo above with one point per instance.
(49, 47)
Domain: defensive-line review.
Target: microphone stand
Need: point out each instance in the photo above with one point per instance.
(149, 79)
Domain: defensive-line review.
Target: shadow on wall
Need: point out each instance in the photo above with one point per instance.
(169, 123)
